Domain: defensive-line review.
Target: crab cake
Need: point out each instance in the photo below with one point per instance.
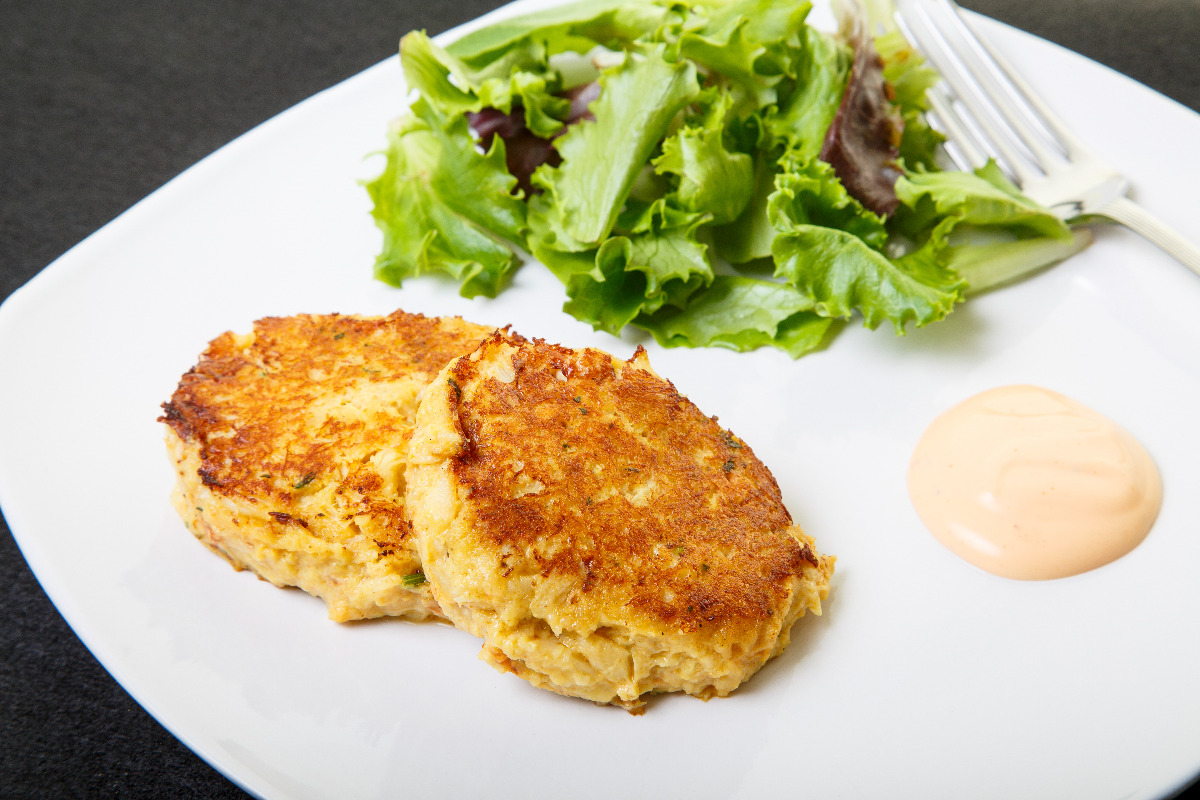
(289, 445)
(601, 535)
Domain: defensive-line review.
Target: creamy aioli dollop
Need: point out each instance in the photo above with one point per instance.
(1027, 483)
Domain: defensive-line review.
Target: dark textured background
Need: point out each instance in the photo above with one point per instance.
(103, 102)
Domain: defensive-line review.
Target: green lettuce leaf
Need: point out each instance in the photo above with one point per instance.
(985, 265)
(571, 27)
(841, 274)
(750, 44)
(658, 262)
(808, 192)
(750, 236)
(523, 78)
(984, 198)
(711, 178)
(799, 122)
(831, 249)
(602, 158)
(704, 139)
(741, 313)
(427, 202)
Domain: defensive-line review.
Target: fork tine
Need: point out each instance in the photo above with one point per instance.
(924, 31)
(1035, 131)
(1000, 69)
(962, 144)
(1050, 165)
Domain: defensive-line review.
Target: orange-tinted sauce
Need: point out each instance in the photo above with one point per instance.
(1026, 483)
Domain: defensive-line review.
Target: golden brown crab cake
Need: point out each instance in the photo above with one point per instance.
(601, 535)
(289, 444)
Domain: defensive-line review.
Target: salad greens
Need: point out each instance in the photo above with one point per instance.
(715, 173)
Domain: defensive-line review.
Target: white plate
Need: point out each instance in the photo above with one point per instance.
(926, 677)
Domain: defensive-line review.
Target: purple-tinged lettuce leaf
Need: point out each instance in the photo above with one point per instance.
(906, 72)
(863, 142)
(523, 80)
(799, 122)
(601, 159)
(427, 203)
(525, 149)
(831, 249)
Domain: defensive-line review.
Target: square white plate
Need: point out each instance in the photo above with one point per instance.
(925, 678)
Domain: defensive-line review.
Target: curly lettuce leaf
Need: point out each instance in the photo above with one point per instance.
(427, 202)
(749, 237)
(742, 313)
(799, 121)
(937, 202)
(571, 27)
(991, 234)
(523, 78)
(808, 192)
(706, 137)
(711, 178)
(841, 274)
(750, 44)
(601, 159)
(796, 126)
(658, 261)
(831, 249)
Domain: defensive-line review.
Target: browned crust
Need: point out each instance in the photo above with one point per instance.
(248, 406)
(706, 546)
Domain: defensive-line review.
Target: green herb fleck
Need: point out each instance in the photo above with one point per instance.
(341, 335)
(305, 481)
(704, 567)
(415, 579)
(729, 441)
(729, 465)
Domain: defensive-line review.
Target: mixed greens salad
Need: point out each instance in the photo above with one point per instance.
(715, 173)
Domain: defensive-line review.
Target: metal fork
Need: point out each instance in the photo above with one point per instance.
(985, 108)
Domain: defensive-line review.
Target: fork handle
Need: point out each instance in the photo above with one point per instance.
(1141, 221)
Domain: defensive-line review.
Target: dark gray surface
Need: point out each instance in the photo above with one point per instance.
(103, 102)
